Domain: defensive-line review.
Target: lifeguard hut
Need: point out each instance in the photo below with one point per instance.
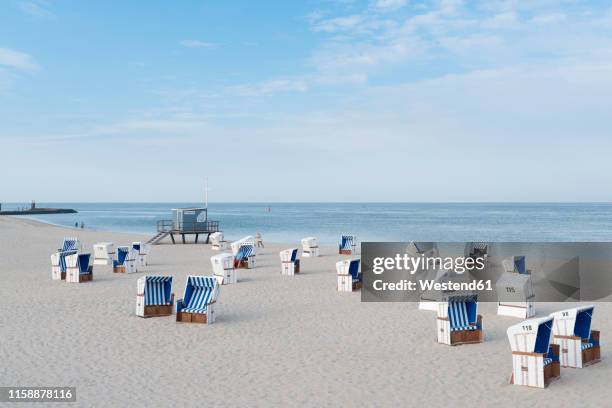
(185, 221)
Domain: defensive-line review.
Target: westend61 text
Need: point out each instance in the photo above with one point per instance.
(426, 285)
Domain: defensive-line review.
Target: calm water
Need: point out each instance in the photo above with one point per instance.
(288, 222)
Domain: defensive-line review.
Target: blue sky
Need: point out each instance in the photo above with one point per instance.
(381, 100)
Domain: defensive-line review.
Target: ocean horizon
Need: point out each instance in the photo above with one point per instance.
(289, 222)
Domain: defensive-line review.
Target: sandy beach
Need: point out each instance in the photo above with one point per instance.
(277, 341)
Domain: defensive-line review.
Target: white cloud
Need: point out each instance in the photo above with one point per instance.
(390, 4)
(548, 18)
(197, 44)
(17, 60)
(339, 23)
(36, 9)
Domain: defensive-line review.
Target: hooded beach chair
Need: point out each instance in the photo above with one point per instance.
(154, 296)
(104, 252)
(70, 244)
(141, 250)
(458, 321)
(79, 268)
(572, 332)
(310, 247)
(535, 361)
(516, 296)
(126, 260)
(198, 302)
(244, 253)
(58, 264)
(349, 275)
(223, 268)
(290, 264)
(348, 245)
(217, 243)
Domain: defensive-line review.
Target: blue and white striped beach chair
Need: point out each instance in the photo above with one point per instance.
(126, 260)
(79, 268)
(198, 302)
(245, 256)
(458, 321)
(70, 244)
(349, 275)
(535, 362)
(348, 245)
(290, 264)
(154, 296)
(69, 247)
(579, 344)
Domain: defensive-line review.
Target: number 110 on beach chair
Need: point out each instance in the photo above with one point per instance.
(535, 361)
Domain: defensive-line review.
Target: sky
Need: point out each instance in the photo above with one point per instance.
(321, 100)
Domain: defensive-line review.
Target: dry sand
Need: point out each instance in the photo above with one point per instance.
(277, 341)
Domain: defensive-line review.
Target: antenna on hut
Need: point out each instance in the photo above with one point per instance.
(206, 193)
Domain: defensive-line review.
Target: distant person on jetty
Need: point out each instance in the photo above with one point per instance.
(76, 224)
(259, 241)
(82, 225)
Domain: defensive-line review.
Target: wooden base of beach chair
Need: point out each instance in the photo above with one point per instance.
(185, 317)
(345, 252)
(245, 264)
(118, 269)
(85, 277)
(158, 310)
(467, 336)
(591, 356)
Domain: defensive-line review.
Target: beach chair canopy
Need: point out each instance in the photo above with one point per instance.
(216, 237)
(514, 287)
(157, 290)
(289, 255)
(531, 336)
(83, 262)
(244, 240)
(200, 291)
(310, 241)
(347, 241)
(475, 248)
(244, 251)
(462, 312)
(574, 322)
(122, 254)
(70, 244)
(515, 264)
(136, 246)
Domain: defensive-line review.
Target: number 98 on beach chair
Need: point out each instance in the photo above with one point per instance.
(572, 332)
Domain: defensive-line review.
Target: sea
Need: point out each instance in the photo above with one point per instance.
(289, 222)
